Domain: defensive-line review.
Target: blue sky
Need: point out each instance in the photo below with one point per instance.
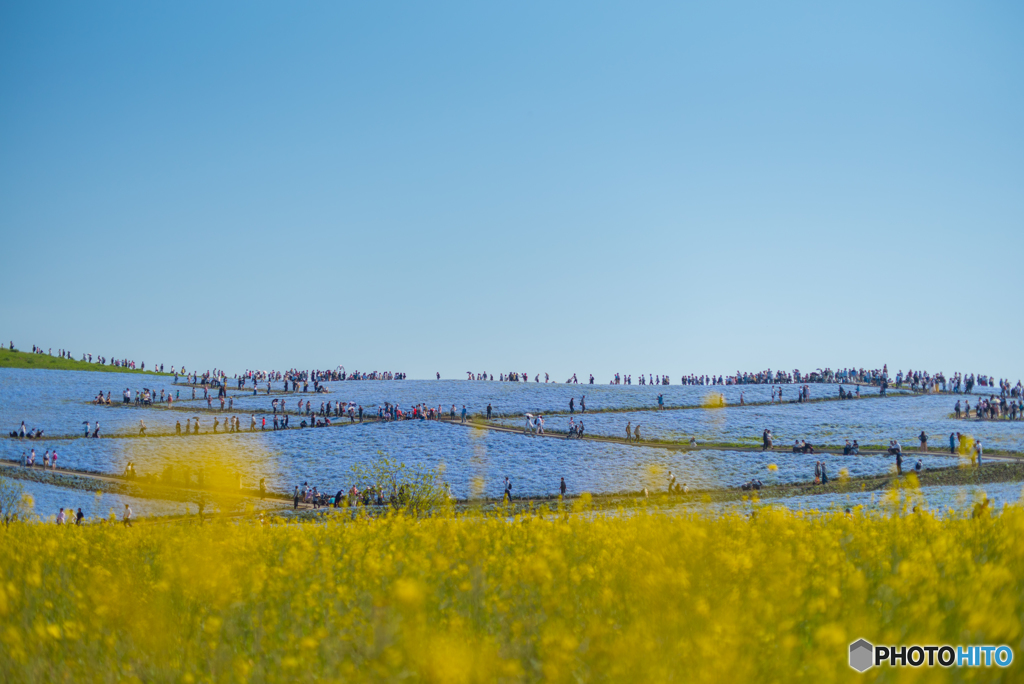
(541, 187)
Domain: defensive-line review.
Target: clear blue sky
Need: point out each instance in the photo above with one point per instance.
(561, 187)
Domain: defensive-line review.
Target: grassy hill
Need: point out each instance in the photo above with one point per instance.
(19, 359)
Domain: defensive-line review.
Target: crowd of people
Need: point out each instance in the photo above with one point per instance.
(295, 376)
(918, 381)
(24, 432)
(395, 495)
(1005, 407)
(28, 459)
(921, 381)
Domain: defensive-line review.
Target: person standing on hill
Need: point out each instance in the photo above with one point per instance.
(923, 438)
(572, 404)
(561, 487)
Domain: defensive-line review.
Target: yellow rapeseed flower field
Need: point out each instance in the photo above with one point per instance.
(644, 596)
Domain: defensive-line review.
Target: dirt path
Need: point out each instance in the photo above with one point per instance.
(148, 489)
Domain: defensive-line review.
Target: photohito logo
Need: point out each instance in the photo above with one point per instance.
(863, 656)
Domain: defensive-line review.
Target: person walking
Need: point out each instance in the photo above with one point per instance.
(629, 435)
(126, 517)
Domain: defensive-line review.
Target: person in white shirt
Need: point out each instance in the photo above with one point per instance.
(126, 517)
(60, 517)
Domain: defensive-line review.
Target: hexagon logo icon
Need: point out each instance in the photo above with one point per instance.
(861, 655)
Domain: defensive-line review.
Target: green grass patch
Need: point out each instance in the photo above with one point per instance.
(20, 359)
